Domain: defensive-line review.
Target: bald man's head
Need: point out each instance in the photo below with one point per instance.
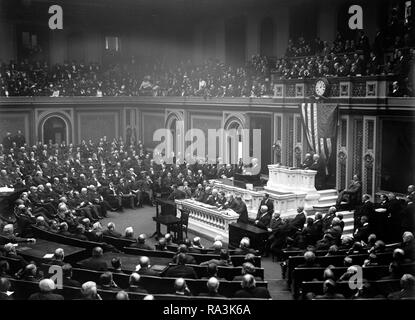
(212, 284)
(248, 281)
(144, 261)
(180, 285)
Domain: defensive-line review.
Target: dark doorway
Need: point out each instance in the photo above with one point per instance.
(236, 41)
(267, 37)
(398, 145)
(54, 129)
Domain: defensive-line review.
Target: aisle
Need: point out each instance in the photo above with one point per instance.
(141, 221)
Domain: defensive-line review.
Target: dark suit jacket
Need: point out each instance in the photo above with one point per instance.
(45, 296)
(362, 233)
(366, 209)
(269, 203)
(141, 246)
(316, 231)
(147, 272)
(4, 296)
(137, 289)
(257, 292)
(211, 294)
(181, 271)
(95, 264)
(299, 221)
(112, 233)
(71, 282)
(264, 220)
(242, 210)
(188, 260)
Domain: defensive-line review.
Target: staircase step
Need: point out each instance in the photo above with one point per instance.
(327, 192)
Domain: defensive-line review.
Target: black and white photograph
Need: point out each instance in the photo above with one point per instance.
(216, 156)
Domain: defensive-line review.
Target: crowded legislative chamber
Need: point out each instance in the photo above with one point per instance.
(207, 150)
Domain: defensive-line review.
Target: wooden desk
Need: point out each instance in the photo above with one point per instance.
(130, 261)
(36, 251)
(239, 230)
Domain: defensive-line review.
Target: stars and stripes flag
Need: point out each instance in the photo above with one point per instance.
(320, 123)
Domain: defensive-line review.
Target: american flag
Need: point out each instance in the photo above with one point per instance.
(320, 122)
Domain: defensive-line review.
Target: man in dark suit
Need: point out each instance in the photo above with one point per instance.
(250, 290)
(352, 190)
(244, 247)
(329, 291)
(299, 220)
(319, 166)
(67, 276)
(144, 269)
(366, 209)
(183, 249)
(4, 289)
(316, 232)
(362, 232)
(96, 262)
(242, 210)
(134, 284)
(274, 229)
(408, 214)
(263, 218)
(247, 268)
(407, 284)
(266, 201)
(176, 194)
(308, 161)
(213, 287)
(46, 287)
(111, 232)
(181, 270)
(141, 243)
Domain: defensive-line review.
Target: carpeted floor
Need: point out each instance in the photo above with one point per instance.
(141, 221)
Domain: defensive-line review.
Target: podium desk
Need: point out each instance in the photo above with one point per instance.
(239, 230)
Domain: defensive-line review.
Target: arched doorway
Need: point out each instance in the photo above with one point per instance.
(55, 130)
(234, 150)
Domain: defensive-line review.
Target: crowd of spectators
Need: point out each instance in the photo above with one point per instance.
(343, 58)
(210, 79)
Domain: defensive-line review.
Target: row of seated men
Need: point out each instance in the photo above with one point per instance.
(180, 270)
(90, 290)
(351, 257)
(126, 167)
(387, 220)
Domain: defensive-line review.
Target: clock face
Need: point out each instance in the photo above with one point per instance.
(320, 87)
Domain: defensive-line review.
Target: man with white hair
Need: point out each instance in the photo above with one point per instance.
(408, 246)
(263, 218)
(213, 288)
(89, 291)
(8, 233)
(217, 246)
(328, 218)
(134, 283)
(141, 243)
(111, 232)
(9, 250)
(46, 287)
(58, 257)
(180, 287)
(129, 233)
(250, 290)
(196, 243)
(213, 198)
(244, 247)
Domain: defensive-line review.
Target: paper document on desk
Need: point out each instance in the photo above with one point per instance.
(48, 256)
